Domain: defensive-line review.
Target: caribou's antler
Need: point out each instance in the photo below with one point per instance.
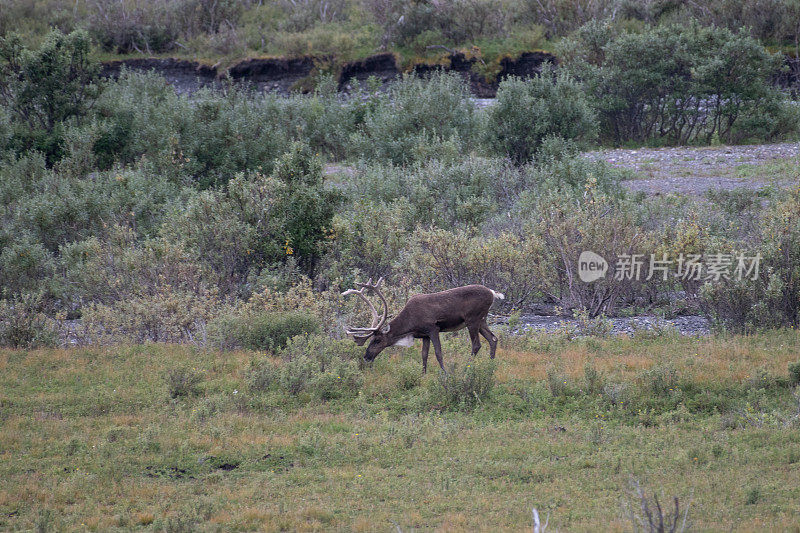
(377, 322)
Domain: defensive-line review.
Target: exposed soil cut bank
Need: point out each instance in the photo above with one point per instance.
(286, 75)
(184, 75)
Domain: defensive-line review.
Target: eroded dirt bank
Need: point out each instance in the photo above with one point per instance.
(289, 75)
(285, 75)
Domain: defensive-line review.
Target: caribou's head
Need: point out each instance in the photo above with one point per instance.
(379, 330)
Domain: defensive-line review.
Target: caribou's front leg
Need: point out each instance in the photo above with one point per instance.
(426, 344)
(437, 348)
(476, 342)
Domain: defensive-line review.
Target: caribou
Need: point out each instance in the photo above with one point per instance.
(424, 317)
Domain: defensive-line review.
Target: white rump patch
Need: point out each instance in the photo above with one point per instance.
(498, 295)
(406, 341)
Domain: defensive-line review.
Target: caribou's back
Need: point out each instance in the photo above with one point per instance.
(450, 309)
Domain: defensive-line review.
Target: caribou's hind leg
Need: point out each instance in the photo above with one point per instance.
(489, 336)
(426, 344)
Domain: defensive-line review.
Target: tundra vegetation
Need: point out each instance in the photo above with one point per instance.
(194, 248)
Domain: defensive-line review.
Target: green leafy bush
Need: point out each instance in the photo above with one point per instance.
(155, 26)
(315, 365)
(210, 136)
(529, 111)
(677, 83)
(26, 266)
(263, 374)
(794, 373)
(46, 87)
(414, 115)
(467, 191)
(258, 220)
(260, 330)
(438, 259)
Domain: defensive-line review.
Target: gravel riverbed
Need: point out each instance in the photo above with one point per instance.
(696, 170)
(685, 325)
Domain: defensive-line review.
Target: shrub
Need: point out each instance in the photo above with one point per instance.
(794, 373)
(261, 330)
(593, 380)
(772, 299)
(561, 172)
(464, 387)
(46, 87)
(438, 259)
(60, 209)
(182, 382)
(467, 191)
(166, 315)
(437, 23)
(416, 114)
(660, 380)
(24, 325)
(557, 382)
(208, 138)
(306, 205)
(681, 83)
(298, 294)
(259, 220)
(529, 111)
(228, 132)
(140, 115)
(313, 364)
(370, 236)
(25, 266)
(262, 375)
(139, 26)
(564, 231)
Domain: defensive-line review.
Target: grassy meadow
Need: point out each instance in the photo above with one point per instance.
(111, 438)
(192, 250)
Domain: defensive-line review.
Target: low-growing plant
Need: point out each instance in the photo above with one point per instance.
(320, 365)
(263, 374)
(593, 379)
(794, 373)
(763, 290)
(182, 382)
(24, 325)
(463, 386)
(661, 380)
(557, 382)
(598, 326)
(313, 365)
(752, 496)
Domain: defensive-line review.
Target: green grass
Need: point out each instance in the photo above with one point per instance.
(91, 440)
(779, 171)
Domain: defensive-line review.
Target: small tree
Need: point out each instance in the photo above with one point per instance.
(528, 111)
(43, 88)
(307, 207)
